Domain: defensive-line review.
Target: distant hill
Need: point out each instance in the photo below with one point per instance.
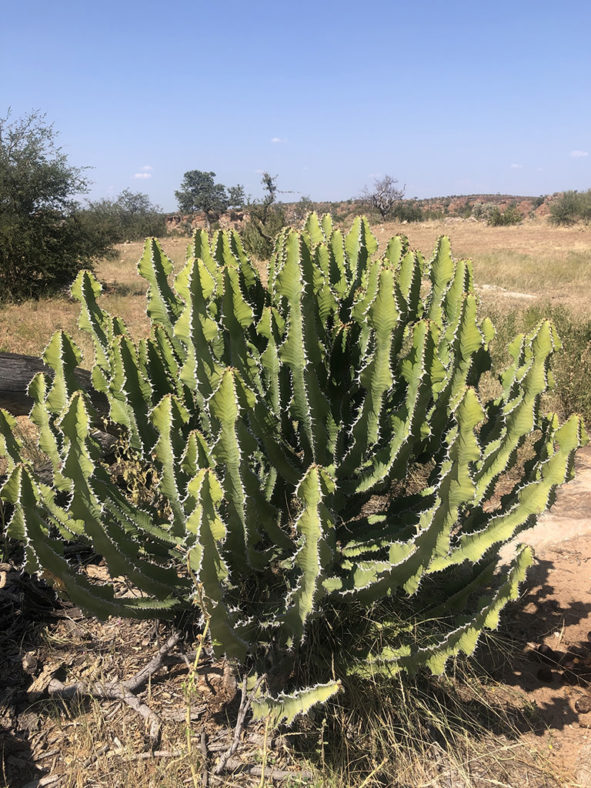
(455, 205)
(459, 204)
(452, 205)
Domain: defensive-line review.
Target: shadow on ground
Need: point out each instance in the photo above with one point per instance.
(545, 647)
(26, 606)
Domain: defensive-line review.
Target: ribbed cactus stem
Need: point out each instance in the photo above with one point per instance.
(279, 430)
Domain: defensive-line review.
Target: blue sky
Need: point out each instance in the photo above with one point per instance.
(449, 97)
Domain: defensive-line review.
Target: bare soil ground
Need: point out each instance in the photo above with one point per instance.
(554, 618)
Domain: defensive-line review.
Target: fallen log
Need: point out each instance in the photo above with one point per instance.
(17, 371)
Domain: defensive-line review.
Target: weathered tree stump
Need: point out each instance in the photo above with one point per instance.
(17, 371)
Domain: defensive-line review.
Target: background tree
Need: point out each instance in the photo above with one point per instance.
(270, 188)
(384, 196)
(199, 192)
(303, 207)
(43, 240)
(236, 196)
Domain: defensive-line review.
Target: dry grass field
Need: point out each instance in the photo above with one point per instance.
(522, 273)
(482, 726)
(552, 264)
(513, 265)
(27, 327)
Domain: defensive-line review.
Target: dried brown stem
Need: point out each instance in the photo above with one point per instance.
(142, 676)
(245, 701)
(204, 753)
(238, 766)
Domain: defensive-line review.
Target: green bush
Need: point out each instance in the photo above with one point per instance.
(571, 207)
(407, 211)
(262, 225)
(466, 211)
(498, 218)
(316, 448)
(264, 220)
(130, 217)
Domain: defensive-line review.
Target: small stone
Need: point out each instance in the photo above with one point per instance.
(583, 704)
(30, 662)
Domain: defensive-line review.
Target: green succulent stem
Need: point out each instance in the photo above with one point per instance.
(276, 430)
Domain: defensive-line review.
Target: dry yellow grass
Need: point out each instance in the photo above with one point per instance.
(536, 259)
(28, 327)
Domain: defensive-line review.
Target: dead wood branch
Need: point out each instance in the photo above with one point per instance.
(236, 766)
(123, 691)
(245, 701)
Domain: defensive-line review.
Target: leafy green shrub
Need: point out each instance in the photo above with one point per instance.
(498, 218)
(262, 225)
(131, 217)
(265, 219)
(466, 211)
(407, 211)
(479, 210)
(571, 207)
(316, 447)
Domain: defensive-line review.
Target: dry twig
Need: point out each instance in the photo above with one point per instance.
(118, 690)
(245, 701)
(204, 770)
(270, 773)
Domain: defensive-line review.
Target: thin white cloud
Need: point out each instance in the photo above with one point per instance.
(276, 140)
(517, 166)
(579, 154)
(143, 172)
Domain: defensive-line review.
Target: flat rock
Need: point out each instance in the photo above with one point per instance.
(570, 517)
